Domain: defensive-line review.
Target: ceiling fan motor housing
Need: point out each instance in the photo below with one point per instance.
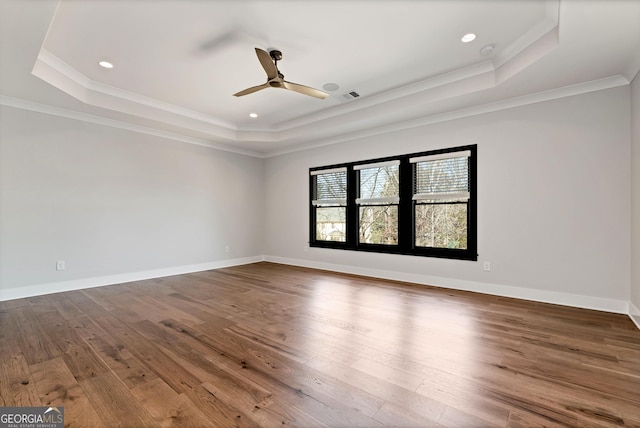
(276, 55)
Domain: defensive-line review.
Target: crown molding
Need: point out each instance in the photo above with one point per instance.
(567, 91)
(99, 120)
(524, 51)
(549, 24)
(59, 74)
(553, 94)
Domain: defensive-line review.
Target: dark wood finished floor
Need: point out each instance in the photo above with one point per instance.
(271, 345)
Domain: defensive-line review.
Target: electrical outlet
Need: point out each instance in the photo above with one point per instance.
(486, 266)
(60, 265)
(227, 249)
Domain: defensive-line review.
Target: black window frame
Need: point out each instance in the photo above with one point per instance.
(406, 230)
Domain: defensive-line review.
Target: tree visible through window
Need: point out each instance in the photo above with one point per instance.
(441, 195)
(379, 194)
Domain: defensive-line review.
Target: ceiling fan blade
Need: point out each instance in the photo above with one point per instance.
(267, 63)
(251, 90)
(306, 90)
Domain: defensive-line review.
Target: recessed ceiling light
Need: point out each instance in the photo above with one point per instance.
(105, 64)
(469, 37)
(254, 115)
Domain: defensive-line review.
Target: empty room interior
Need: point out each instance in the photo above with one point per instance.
(322, 213)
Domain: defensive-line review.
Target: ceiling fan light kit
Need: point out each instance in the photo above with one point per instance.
(275, 79)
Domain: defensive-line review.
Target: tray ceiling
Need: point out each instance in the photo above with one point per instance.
(177, 63)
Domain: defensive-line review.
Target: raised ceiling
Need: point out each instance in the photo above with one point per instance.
(177, 63)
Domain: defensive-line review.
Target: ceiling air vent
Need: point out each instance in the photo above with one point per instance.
(350, 95)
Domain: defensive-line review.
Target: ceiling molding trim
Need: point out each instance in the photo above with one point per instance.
(526, 50)
(133, 97)
(529, 55)
(582, 88)
(381, 114)
(523, 52)
(553, 94)
(56, 72)
(391, 95)
(550, 22)
(98, 120)
(633, 68)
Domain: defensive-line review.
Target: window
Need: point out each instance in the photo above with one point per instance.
(329, 202)
(441, 199)
(419, 204)
(379, 195)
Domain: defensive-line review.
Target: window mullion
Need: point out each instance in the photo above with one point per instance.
(352, 208)
(405, 208)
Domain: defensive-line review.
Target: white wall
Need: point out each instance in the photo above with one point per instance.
(117, 205)
(635, 198)
(553, 201)
(554, 190)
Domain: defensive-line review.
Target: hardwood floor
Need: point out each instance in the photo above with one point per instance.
(271, 345)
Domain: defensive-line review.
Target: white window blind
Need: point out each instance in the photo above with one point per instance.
(441, 156)
(441, 177)
(377, 165)
(330, 187)
(379, 184)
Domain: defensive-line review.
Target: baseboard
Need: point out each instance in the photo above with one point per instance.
(566, 299)
(544, 296)
(634, 314)
(79, 284)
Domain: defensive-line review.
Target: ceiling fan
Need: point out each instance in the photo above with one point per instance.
(275, 79)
